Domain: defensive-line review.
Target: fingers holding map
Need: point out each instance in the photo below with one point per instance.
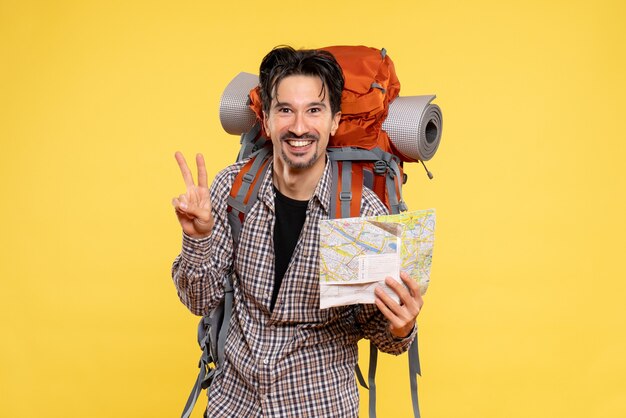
(357, 254)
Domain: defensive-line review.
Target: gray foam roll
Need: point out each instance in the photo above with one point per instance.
(414, 126)
(235, 115)
(413, 123)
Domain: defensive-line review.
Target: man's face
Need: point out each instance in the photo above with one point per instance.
(300, 122)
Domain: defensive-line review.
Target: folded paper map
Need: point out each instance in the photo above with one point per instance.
(357, 254)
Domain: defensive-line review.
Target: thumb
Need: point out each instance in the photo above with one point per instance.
(202, 214)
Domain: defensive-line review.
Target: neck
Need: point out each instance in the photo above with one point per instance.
(298, 184)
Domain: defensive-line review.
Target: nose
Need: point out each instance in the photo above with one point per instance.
(298, 126)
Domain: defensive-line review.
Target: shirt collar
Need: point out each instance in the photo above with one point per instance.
(322, 191)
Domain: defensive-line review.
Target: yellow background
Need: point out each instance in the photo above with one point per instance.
(525, 314)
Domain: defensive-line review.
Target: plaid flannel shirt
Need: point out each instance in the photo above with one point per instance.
(297, 360)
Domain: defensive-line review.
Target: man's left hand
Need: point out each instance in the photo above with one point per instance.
(401, 316)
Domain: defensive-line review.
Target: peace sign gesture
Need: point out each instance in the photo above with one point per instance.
(193, 208)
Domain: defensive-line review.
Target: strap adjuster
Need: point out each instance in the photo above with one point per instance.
(345, 196)
(248, 177)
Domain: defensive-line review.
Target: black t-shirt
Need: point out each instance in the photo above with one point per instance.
(290, 216)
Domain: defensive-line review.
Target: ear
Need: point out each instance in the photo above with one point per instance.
(266, 125)
(335, 123)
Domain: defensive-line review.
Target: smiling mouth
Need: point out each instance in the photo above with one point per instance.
(299, 143)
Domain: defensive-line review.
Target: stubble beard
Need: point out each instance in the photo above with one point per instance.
(301, 165)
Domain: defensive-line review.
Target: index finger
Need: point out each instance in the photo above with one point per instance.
(202, 178)
(184, 169)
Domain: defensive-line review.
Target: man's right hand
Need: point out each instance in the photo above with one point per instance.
(193, 208)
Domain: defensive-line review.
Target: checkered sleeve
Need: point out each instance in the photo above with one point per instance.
(376, 329)
(199, 269)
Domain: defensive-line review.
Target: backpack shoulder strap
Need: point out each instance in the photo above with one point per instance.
(371, 378)
(251, 141)
(414, 371)
(245, 190)
(346, 191)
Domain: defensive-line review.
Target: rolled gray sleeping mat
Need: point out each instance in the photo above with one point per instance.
(413, 123)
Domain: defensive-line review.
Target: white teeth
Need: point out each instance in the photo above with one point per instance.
(299, 143)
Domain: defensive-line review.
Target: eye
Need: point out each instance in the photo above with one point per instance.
(315, 110)
(284, 110)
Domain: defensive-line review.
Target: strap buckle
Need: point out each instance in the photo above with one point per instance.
(380, 167)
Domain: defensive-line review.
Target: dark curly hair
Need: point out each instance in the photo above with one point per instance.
(284, 61)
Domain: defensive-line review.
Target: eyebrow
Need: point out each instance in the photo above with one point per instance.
(319, 104)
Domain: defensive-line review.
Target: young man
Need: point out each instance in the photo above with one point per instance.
(284, 356)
